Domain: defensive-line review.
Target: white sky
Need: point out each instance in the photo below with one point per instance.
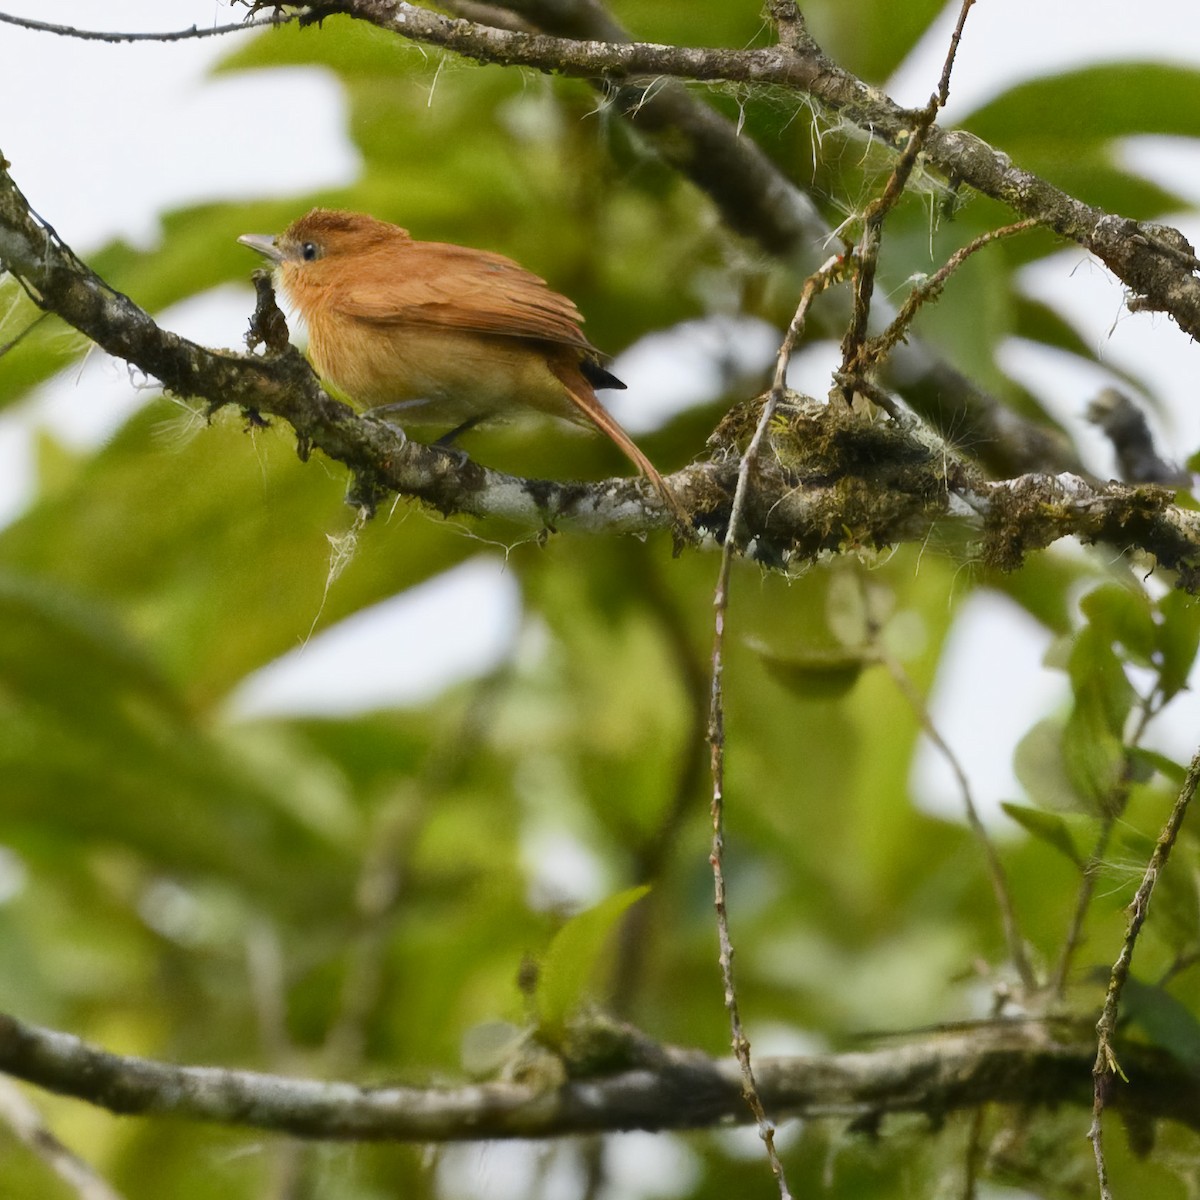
(191, 141)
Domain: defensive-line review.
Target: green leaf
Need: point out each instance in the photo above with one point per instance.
(186, 538)
(818, 674)
(1177, 638)
(1093, 755)
(1166, 1021)
(97, 744)
(1047, 827)
(1122, 616)
(572, 957)
(1094, 104)
(871, 37)
(1040, 767)
(1173, 772)
(1092, 107)
(1093, 744)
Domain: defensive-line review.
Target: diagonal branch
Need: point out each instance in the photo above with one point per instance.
(1155, 262)
(1106, 1065)
(26, 1123)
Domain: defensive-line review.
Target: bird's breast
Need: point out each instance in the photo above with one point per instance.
(448, 376)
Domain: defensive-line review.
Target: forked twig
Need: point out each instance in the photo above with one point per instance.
(876, 349)
(834, 270)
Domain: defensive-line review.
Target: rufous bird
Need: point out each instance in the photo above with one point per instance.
(438, 333)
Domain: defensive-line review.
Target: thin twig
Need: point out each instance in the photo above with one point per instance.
(23, 1118)
(943, 92)
(1106, 1065)
(5, 347)
(1113, 809)
(867, 252)
(1004, 900)
(974, 1156)
(831, 271)
(790, 24)
(178, 35)
(877, 348)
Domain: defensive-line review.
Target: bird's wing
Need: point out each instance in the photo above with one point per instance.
(453, 287)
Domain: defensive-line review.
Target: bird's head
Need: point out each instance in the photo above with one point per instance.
(325, 239)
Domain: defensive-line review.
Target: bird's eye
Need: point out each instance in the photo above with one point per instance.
(309, 251)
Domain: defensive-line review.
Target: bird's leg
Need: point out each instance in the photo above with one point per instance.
(448, 439)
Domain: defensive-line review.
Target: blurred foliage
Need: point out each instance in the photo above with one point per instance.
(353, 896)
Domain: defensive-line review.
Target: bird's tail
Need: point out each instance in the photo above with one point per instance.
(585, 401)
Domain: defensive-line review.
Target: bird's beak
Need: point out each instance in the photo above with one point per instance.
(264, 243)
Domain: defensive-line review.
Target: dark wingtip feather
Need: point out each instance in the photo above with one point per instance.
(598, 377)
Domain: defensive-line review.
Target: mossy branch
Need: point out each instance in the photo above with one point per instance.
(829, 480)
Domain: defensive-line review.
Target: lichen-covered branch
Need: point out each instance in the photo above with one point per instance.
(1033, 511)
(282, 385)
(830, 479)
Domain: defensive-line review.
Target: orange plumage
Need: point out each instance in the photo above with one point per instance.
(438, 333)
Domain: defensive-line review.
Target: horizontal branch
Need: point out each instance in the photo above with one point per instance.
(1155, 262)
(829, 479)
(283, 385)
(1006, 1063)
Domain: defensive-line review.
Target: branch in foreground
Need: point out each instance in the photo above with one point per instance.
(1022, 1063)
(831, 480)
